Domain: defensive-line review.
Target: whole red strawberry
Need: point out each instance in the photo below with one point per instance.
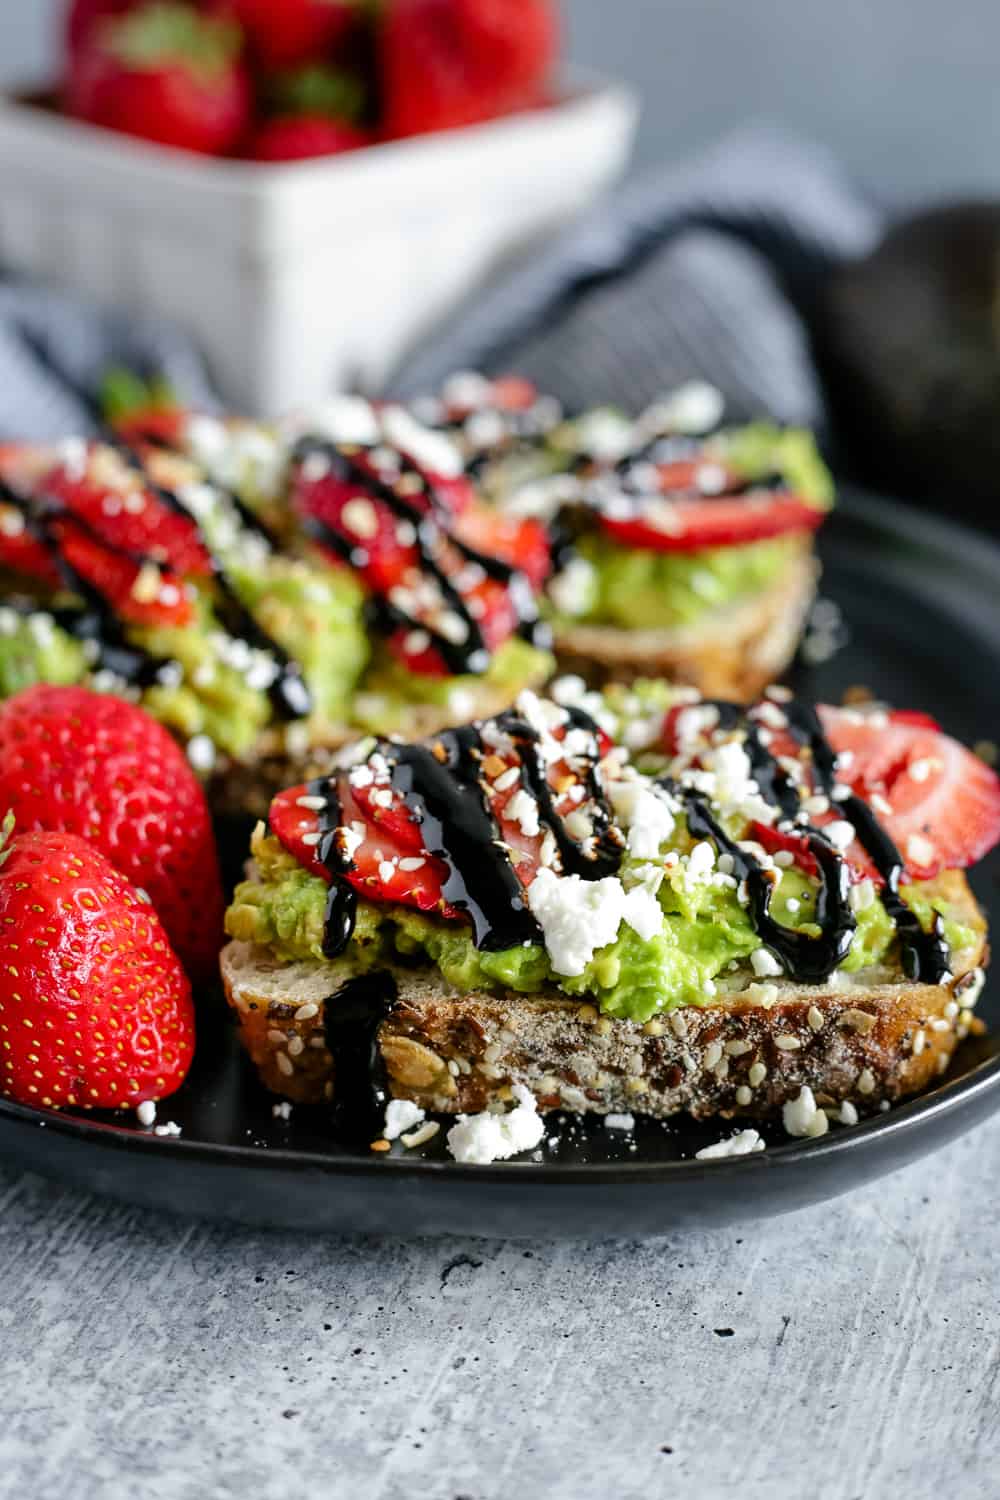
(298, 137)
(446, 63)
(283, 33)
(95, 1009)
(165, 72)
(89, 764)
(83, 17)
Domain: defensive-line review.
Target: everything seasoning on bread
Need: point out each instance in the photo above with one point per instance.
(773, 904)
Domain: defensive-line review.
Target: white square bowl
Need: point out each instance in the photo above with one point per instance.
(301, 279)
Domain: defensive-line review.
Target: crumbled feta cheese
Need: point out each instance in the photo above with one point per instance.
(282, 1110)
(201, 753)
(619, 1122)
(645, 815)
(484, 1138)
(701, 861)
(401, 1115)
(802, 1116)
(840, 833)
(764, 964)
(919, 851)
(741, 1144)
(577, 916)
(572, 589)
(693, 409)
(432, 450)
(522, 809)
(146, 1113)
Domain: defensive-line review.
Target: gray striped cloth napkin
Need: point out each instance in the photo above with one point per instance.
(704, 269)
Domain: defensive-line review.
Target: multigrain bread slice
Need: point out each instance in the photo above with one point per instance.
(734, 653)
(874, 1037)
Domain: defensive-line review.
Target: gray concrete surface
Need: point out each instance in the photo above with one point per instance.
(147, 1357)
(845, 1353)
(905, 90)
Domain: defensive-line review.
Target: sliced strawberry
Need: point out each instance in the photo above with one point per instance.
(392, 863)
(662, 524)
(942, 803)
(382, 546)
(391, 834)
(937, 802)
(132, 518)
(123, 584)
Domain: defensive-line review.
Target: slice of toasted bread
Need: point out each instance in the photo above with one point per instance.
(731, 653)
(874, 1036)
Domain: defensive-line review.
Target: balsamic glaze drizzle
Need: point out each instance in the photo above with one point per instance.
(93, 620)
(608, 845)
(289, 696)
(432, 536)
(925, 955)
(805, 957)
(442, 786)
(352, 1018)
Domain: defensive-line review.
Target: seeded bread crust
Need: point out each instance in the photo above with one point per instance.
(874, 1037)
(734, 653)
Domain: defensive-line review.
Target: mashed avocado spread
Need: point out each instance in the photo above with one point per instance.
(316, 615)
(704, 930)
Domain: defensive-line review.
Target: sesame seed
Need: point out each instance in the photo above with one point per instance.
(307, 1011)
(787, 1043)
(919, 1042)
(858, 1020)
(713, 1052)
(756, 1074)
(743, 1094)
(815, 1018)
(866, 1081)
(284, 1064)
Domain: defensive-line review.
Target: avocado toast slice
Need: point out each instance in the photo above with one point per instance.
(682, 547)
(519, 904)
(129, 565)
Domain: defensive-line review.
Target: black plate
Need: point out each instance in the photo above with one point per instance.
(923, 599)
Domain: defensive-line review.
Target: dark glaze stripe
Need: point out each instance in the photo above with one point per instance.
(926, 956)
(471, 655)
(95, 621)
(342, 901)
(442, 788)
(352, 1018)
(448, 800)
(288, 694)
(803, 956)
(608, 845)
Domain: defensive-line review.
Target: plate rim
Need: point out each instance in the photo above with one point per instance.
(904, 1121)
